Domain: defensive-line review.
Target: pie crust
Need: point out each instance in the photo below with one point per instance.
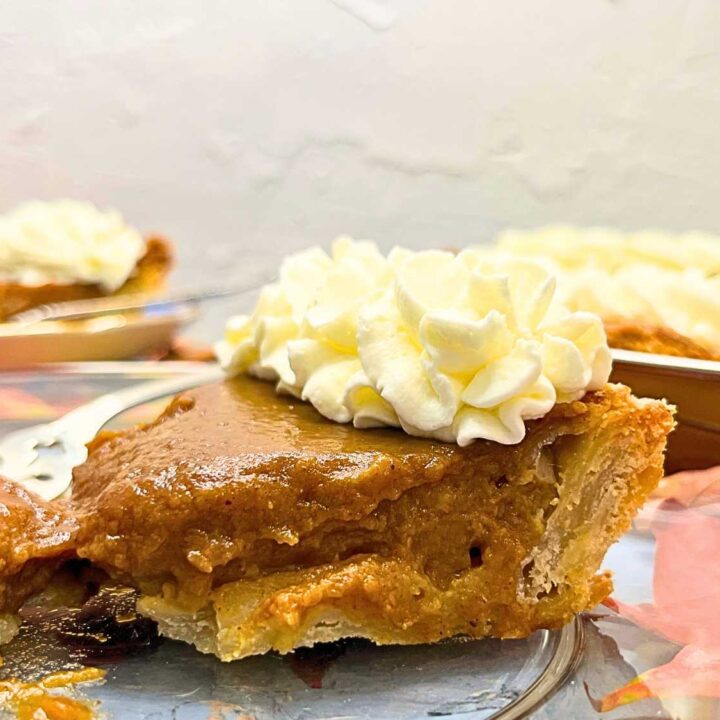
(630, 334)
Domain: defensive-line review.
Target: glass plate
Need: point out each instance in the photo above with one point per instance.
(351, 679)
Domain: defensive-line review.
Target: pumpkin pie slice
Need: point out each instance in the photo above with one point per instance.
(63, 250)
(250, 523)
(149, 276)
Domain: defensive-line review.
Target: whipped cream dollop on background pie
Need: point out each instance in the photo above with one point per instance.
(67, 241)
(456, 347)
(64, 250)
(656, 291)
(613, 249)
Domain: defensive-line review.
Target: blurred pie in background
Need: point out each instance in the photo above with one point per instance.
(656, 292)
(69, 250)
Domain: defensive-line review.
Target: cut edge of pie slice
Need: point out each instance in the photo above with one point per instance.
(494, 541)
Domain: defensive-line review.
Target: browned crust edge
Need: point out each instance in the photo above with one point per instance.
(630, 334)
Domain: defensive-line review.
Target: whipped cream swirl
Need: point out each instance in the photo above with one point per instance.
(67, 242)
(612, 249)
(648, 277)
(453, 347)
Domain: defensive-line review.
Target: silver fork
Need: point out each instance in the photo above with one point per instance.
(42, 457)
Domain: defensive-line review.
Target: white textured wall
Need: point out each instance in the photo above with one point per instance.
(249, 127)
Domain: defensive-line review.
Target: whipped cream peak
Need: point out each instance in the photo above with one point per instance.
(453, 347)
(66, 242)
(306, 319)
